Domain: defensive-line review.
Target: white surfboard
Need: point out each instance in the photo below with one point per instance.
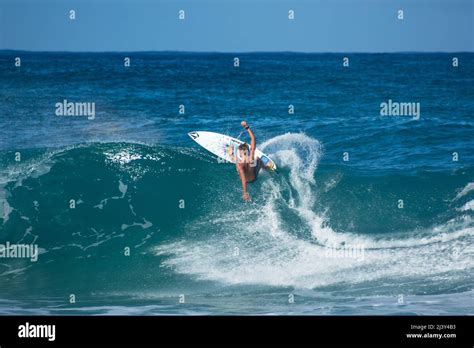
(218, 144)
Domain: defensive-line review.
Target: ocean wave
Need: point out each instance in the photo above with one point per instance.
(129, 194)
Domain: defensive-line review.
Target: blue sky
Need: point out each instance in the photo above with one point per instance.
(237, 26)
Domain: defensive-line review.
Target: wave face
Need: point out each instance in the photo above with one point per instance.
(335, 237)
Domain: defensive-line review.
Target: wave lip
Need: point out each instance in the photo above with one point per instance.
(467, 189)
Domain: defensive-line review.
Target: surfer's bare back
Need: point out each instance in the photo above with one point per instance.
(246, 163)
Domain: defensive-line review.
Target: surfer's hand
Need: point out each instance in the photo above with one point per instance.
(244, 124)
(246, 196)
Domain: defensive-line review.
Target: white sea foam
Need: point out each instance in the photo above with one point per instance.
(468, 206)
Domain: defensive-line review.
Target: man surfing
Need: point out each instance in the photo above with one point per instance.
(246, 163)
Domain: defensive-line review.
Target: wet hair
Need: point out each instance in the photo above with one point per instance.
(244, 147)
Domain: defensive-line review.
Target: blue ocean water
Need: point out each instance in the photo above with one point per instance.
(389, 231)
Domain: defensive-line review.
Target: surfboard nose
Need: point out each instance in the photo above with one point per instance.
(193, 135)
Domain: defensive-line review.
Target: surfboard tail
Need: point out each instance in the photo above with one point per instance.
(268, 163)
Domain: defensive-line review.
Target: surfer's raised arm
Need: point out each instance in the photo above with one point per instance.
(253, 141)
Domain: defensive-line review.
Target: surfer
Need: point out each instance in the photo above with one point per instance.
(246, 163)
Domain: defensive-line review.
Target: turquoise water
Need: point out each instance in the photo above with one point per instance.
(139, 182)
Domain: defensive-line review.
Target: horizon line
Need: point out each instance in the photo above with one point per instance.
(236, 52)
